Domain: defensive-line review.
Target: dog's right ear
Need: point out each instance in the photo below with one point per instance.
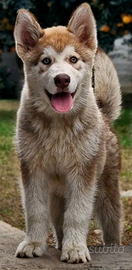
(82, 25)
(27, 32)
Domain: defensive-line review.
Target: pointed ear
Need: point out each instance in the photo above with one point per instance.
(27, 31)
(82, 25)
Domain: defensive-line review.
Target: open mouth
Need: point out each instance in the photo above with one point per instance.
(61, 102)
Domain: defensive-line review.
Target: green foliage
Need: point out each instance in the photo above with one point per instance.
(108, 14)
(112, 20)
(114, 17)
(8, 12)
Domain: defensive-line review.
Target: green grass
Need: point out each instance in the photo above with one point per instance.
(124, 128)
(10, 202)
(7, 118)
(7, 123)
(7, 126)
(9, 171)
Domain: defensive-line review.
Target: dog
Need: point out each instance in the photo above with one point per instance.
(68, 150)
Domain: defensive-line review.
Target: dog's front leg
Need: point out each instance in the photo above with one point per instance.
(35, 195)
(79, 205)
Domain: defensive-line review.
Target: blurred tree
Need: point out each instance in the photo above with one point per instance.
(8, 11)
(114, 17)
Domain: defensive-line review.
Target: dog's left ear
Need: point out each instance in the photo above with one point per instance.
(82, 25)
(27, 32)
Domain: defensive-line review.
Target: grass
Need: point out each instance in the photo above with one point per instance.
(10, 201)
(124, 128)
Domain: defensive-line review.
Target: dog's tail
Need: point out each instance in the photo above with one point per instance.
(107, 87)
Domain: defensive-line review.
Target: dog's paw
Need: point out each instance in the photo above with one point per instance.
(75, 254)
(30, 249)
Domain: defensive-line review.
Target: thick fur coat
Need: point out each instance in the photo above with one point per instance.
(69, 154)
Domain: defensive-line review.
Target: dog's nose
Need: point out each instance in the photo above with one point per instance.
(62, 80)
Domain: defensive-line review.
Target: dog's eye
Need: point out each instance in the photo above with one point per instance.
(46, 61)
(73, 59)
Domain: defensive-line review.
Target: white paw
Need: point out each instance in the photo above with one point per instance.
(75, 254)
(30, 249)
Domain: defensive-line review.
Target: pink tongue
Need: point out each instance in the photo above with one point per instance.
(62, 102)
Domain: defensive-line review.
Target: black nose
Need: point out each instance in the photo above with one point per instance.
(62, 80)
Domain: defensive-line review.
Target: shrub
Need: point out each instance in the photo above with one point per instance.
(7, 86)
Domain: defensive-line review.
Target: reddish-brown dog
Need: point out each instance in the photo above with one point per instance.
(69, 155)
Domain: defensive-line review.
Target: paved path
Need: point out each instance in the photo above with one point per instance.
(127, 193)
(10, 237)
(124, 70)
(122, 59)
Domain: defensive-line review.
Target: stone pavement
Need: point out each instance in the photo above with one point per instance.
(120, 259)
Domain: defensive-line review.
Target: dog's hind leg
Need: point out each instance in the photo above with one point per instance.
(108, 214)
(108, 207)
(57, 216)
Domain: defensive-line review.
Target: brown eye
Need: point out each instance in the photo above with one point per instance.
(46, 61)
(73, 59)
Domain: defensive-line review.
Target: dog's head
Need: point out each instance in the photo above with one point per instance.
(58, 61)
